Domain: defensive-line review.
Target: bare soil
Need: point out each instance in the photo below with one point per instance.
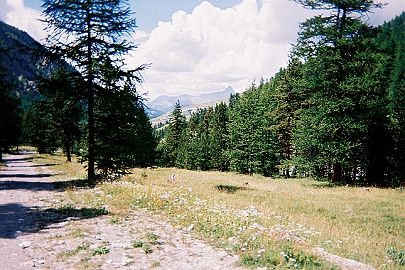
(35, 233)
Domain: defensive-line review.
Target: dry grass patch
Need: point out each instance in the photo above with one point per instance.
(268, 222)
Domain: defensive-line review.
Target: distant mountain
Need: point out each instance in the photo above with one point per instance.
(163, 104)
(18, 56)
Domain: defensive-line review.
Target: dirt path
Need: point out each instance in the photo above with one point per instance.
(19, 184)
(36, 233)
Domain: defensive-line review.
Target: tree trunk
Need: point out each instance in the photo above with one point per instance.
(376, 154)
(337, 173)
(90, 100)
(67, 150)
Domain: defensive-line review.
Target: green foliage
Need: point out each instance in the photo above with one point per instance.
(93, 36)
(152, 237)
(263, 260)
(253, 147)
(200, 143)
(146, 246)
(398, 256)
(127, 143)
(194, 151)
(342, 126)
(60, 110)
(335, 112)
(297, 259)
(219, 138)
(38, 126)
(391, 39)
(78, 249)
(169, 146)
(137, 244)
(288, 101)
(100, 251)
(10, 112)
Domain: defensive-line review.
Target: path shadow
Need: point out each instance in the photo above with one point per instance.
(230, 188)
(46, 186)
(24, 175)
(31, 166)
(8, 160)
(34, 186)
(74, 183)
(16, 219)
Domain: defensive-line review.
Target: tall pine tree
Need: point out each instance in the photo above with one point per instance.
(88, 32)
(341, 129)
(170, 145)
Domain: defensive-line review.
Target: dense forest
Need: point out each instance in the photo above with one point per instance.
(336, 112)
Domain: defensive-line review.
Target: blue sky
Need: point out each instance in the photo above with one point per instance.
(149, 12)
(198, 47)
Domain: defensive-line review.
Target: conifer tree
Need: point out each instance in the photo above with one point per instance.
(219, 137)
(9, 114)
(253, 147)
(132, 144)
(39, 126)
(391, 39)
(288, 102)
(342, 125)
(62, 94)
(170, 145)
(85, 33)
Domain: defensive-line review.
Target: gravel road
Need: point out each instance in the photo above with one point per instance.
(36, 235)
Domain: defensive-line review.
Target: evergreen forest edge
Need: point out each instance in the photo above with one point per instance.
(336, 112)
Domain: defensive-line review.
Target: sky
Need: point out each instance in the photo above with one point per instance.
(197, 47)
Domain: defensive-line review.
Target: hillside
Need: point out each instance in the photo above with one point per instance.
(162, 105)
(19, 58)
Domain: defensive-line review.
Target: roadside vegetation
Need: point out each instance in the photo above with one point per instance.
(266, 221)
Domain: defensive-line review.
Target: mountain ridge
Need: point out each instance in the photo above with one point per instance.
(22, 59)
(165, 103)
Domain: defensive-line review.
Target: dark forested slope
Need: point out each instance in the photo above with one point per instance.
(17, 57)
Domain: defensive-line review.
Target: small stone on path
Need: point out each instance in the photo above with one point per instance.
(24, 244)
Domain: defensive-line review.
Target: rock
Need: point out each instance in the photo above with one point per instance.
(24, 244)
(60, 242)
(341, 262)
(190, 228)
(38, 262)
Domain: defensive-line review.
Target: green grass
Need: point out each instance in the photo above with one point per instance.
(100, 251)
(78, 249)
(269, 222)
(146, 244)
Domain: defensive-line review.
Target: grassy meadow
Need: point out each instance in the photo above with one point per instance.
(267, 222)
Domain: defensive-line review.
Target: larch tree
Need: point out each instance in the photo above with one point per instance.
(170, 145)
(341, 128)
(86, 33)
(288, 100)
(391, 39)
(62, 94)
(10, 114)
(252, 146)
(219, 137)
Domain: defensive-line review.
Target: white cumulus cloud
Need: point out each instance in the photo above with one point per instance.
(15, 13)
(211, 48)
